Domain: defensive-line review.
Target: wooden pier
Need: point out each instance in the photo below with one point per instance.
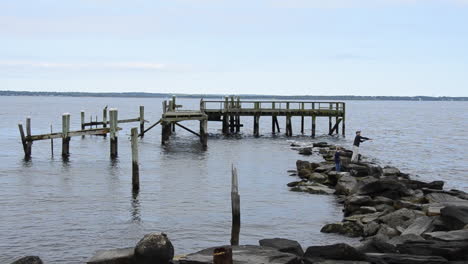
(230, 110)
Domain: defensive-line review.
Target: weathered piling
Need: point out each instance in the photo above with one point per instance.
(235, 204)
(238, 106)
(330, 121)
(104, 119)
(29, 142)
(135, 166)
(65, 136)
(343, 122)
(82, 121)
(51, 142)
(313, 125)
(23, 141)
(113, 119)
(165, 132)
(142, 121)
(302, 118)
(204, 133)
(273, 118)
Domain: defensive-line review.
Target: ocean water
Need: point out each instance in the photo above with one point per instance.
(64, 211)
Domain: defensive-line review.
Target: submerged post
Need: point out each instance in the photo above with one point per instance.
(65, 136)
(51, 142)
(135, 166)
(113, 117)
(82, 121)
(142, 121)
(204, 133)
(28, 135)
(343, 122)
(104, 119)
(235, 203)
(302, 118)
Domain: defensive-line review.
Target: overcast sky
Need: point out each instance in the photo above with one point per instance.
(290, 47)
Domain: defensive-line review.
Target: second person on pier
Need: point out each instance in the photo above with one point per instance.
(357, 141)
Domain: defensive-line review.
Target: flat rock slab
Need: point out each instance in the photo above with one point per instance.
(420, 225)
(113, 256)
(283, 245)
(457, 235)
(244, 255)
(28, 260)
(390, 258)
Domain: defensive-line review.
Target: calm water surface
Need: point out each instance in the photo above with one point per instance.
(65, 211)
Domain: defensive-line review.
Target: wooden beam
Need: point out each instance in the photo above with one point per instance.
(135, 165)
(188, 129)
(153, 125)
(23, 141)
(113, 117)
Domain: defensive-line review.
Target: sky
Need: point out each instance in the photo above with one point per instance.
(283, 47)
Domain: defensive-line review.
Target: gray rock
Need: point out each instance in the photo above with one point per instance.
(356, 170)
(337, 252)
(351, 229)
(457, 235)
(28, 260)
(392, 258)
(154, 248)
(320, 145)
(283, 245)
(113, 256)
(382, 200)
(370, 229)
(313, 189)
(455, 217)
(403, 238)
(377, 245)
(420, 225)
(448, 250)
(317, 177)
(346, 185)
(244, 255)
(325, 167)
(305, 151)
(387, 231)
(413, 184)
(389, 171)
(302, 164)
(441, 198)
(403, 217)
(405, 204)
(384, 187)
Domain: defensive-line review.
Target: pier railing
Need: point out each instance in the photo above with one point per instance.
(229, 105)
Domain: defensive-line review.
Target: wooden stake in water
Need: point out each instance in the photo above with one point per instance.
(142, 121)
(51, 142)
(113, 119)
(65, 136)
(135, 166)
(235, 203)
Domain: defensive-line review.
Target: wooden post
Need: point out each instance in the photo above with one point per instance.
(238, 106)
(174, 107)
(104, 119)
(288, 122)
(204, 133)
(82, 120)
(65, 136)
(343, 122)
(24, 141)
(313, 125)
(135, 167)
(142, 121)
(165, 132)
(235, 203)
(29, 142)
(231, 115)
(113, 119)
(273, 117)
(222, 255)
(225, 116)
(330, 121)
(51, 142)
(302, 118)
(257, 119)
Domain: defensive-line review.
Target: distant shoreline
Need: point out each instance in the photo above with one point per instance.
(251, 96)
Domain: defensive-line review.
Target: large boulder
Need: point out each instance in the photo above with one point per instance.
(376, 245)
(448, 250)
(28, 260)
(325, 167)
(455, 217)
(348, 228)
(403, 238)
(283, 245)
(390, 171)
(457, 235)
(336, 252)
(419, 226)
(244, 255)
(113, 256)
(385, 187)
(356, 170)
(305, 151)
(401, 218)
(346, 184)
(154, 248)
(317, 177)
(440, 197)
(413, 184)
(392, 258)
(302, 164)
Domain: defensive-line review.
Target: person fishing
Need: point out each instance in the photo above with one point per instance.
(357, 141)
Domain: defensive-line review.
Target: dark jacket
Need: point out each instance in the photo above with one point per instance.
(358, 140)
(337, 157)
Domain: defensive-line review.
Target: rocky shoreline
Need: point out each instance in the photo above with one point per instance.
(399, 220)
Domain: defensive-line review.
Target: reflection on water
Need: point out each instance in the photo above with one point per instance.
(53, 207)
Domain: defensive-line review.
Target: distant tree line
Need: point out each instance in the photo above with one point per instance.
(247, 96)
